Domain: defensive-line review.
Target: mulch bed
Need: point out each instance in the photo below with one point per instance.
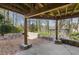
(10, 46)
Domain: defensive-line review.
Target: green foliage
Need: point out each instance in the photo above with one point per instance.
(44, 33)
(74, 35)
(4, 28)
(1, 18)
(33, 28)
(16, 29)
(7, 27)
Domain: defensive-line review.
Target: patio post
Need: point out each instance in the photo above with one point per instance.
(56, 29)
(57, 41)
(26, 45)
(25, 32)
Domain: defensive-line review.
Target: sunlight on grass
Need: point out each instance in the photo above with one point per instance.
(44, 33)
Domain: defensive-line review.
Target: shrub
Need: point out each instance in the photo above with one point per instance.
(1, 18)
(33, 28)
(4, 29)
(17, 29)
(74, 35)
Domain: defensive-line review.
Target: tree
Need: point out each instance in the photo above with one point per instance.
(39, 26)
(1, 18)
(33, 27)
(47, 25)
(4, 28)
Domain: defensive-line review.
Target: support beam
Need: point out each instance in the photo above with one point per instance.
(74, 8)
(19, 6)
(41, 5)
(26, 45)
(31, 6)
(28, 5)
(46, 10)
(25, 31)
(66, 10)
(57, 41)
(59, 13)
(56, 29)
(11, 8)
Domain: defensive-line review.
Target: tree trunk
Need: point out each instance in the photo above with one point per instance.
(39, 26)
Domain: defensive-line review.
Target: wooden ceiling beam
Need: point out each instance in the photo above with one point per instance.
(41, 5)
(66, 10)
(43, 17)
(29, 5)
(46, 10)
(69, 16)
(19, 6)
(69, 12)
(77, 6)
(51, 14)
(59, 13)
(74, 8)
(11, 8)
(58, 17)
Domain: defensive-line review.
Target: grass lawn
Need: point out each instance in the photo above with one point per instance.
(44, 33)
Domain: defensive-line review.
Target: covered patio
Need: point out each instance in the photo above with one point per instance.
(54, 11)
(45, 47)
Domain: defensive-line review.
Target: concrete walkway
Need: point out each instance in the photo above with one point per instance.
(45, 47)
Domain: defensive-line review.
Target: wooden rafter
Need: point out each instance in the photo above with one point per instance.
(59, 13)
(75, 14)
(46, 10)
(30, 6)
(41, 5)
(77, 6)
(69, 16)
(66, 10)
(69, 13)
(51, 14)
(74, 8)
(11, 8)
(19, 6)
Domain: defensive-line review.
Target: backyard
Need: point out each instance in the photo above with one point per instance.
(15, 30)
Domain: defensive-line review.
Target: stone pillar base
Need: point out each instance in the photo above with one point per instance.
(24, 47)
(58, 42)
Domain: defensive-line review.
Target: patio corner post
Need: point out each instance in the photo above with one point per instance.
(57, 41)
(25, 32)
(56, 29)
(25, 45)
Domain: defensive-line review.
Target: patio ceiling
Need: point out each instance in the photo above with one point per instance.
(44, 10)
